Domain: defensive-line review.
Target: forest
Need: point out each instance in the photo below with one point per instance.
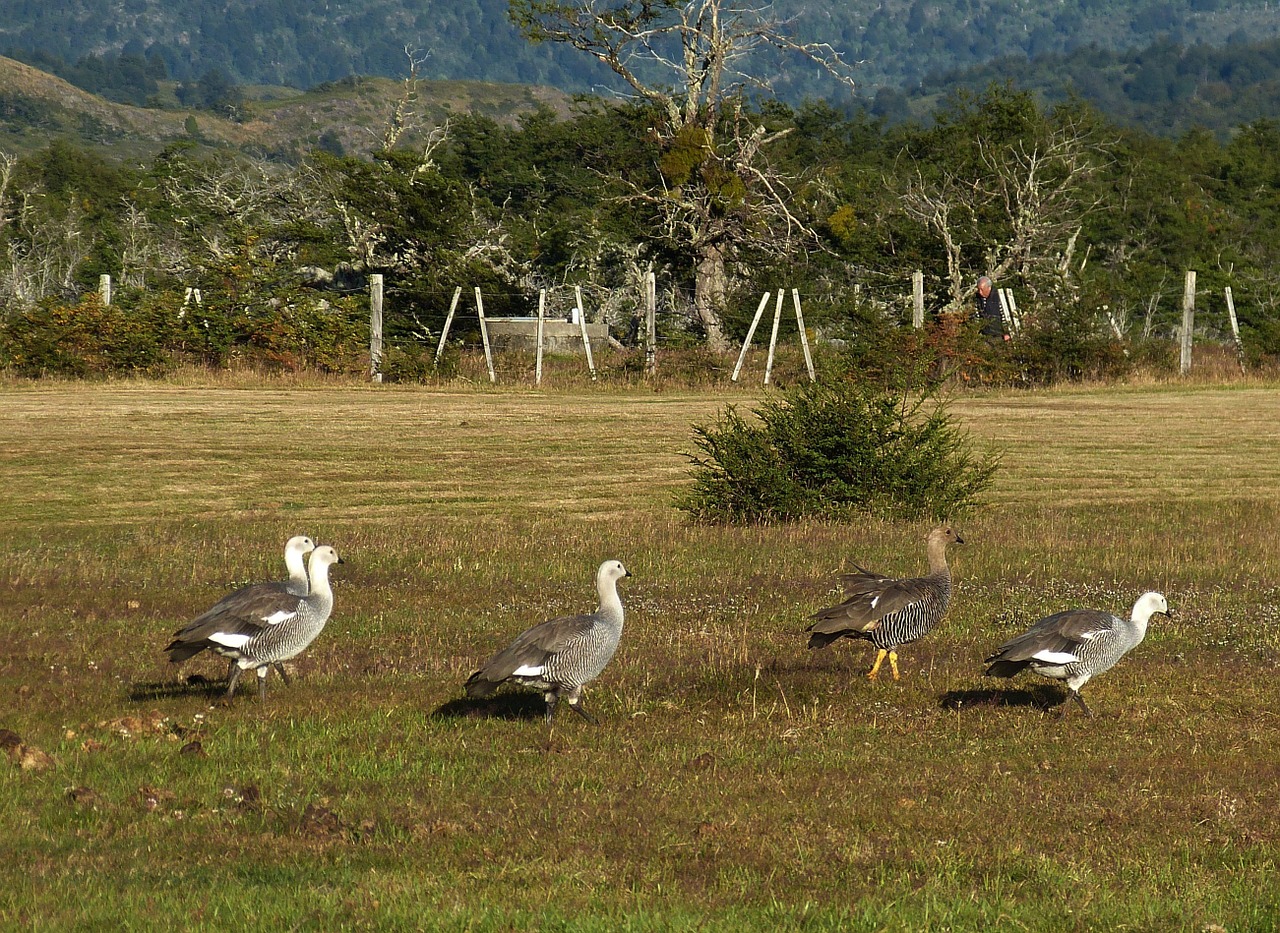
(897, 43)
(217, 258)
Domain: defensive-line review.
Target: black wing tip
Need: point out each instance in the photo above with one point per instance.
(1001, 667)
(479, 687)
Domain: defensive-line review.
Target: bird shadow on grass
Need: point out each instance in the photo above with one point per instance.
(195, 685)
(1042, 697)
(512, 705)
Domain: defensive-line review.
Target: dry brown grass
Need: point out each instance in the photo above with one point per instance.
(737, 781)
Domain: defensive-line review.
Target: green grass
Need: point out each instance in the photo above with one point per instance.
(736, 781)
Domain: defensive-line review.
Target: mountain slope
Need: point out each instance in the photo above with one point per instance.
(289, 42)
(350, 115)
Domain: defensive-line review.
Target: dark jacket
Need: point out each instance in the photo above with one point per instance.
(990, 314)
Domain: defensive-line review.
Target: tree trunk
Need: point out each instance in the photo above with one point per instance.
(710, 286)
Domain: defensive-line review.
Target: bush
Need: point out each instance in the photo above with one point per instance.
(87, 338)
(834, 450)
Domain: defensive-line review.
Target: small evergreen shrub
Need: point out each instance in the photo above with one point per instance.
(835, 449)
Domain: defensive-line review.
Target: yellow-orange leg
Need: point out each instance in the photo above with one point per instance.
(875, 668)
(893, 663)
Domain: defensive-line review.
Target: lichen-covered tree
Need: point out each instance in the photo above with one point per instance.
(716, 194)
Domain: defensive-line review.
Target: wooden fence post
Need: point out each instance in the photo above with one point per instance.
(1235, 327)
(448, 322)
(651, 324)
(586, 341)
(773, 339)
(1188, 320)
(746, 344)
(804, 338)
(542, 317)
(375, 327)
(917, 300)
(484, 335)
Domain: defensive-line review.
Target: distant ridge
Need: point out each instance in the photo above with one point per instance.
(36, 107)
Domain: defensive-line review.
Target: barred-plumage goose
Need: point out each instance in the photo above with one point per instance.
(561, 655)
(890, 612)
(1075, 645)
(251, 602)
(276, 630)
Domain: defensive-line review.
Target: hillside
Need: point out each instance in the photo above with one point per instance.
(285, 42)
(35, 107)
(1165, 89)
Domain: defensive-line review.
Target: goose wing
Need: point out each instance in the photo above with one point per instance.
(527, 655)
(235, 619)
(868, 599)
(1055, 639)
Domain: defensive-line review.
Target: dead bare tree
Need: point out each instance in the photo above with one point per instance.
(693, 61)
(1021, 209)
(41, 251)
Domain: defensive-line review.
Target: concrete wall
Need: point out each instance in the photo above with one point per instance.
(521, 333)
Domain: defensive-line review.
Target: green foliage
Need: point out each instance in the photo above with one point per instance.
(295, 333)
(1068, 346)
(150, 334)
(835, 449)
(1163, 87)
(85, 338)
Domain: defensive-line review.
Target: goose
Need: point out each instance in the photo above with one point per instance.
(248, 602)
(1076, 645)
(886, 611)
(561, 655)
(277, 631)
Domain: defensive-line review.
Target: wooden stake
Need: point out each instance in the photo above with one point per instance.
(804, 338)
(484, 336)
(1009, 307)
(1188, 320)
(542, 317)
(773, 339)
(651, 324)
(448, 321)
(917, 300)
(746, 344)
(586, 341)
(1235, 327)
(375, 327)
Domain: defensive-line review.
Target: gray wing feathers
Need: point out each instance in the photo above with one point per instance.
(243, 612)
(531, 648)
(873, 599)
(1062, 632)
(869, 599)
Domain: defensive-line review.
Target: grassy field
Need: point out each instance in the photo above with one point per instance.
(736, 781)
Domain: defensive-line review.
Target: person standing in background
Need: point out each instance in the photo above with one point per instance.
(989, 310)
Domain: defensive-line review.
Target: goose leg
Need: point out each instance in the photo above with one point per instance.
(875, 668)
(1074, 695)
(893, 663)
(552, 699)
(575, 704)
(262, 684)
(236, 671)
(283, 674)
(1083, 705)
